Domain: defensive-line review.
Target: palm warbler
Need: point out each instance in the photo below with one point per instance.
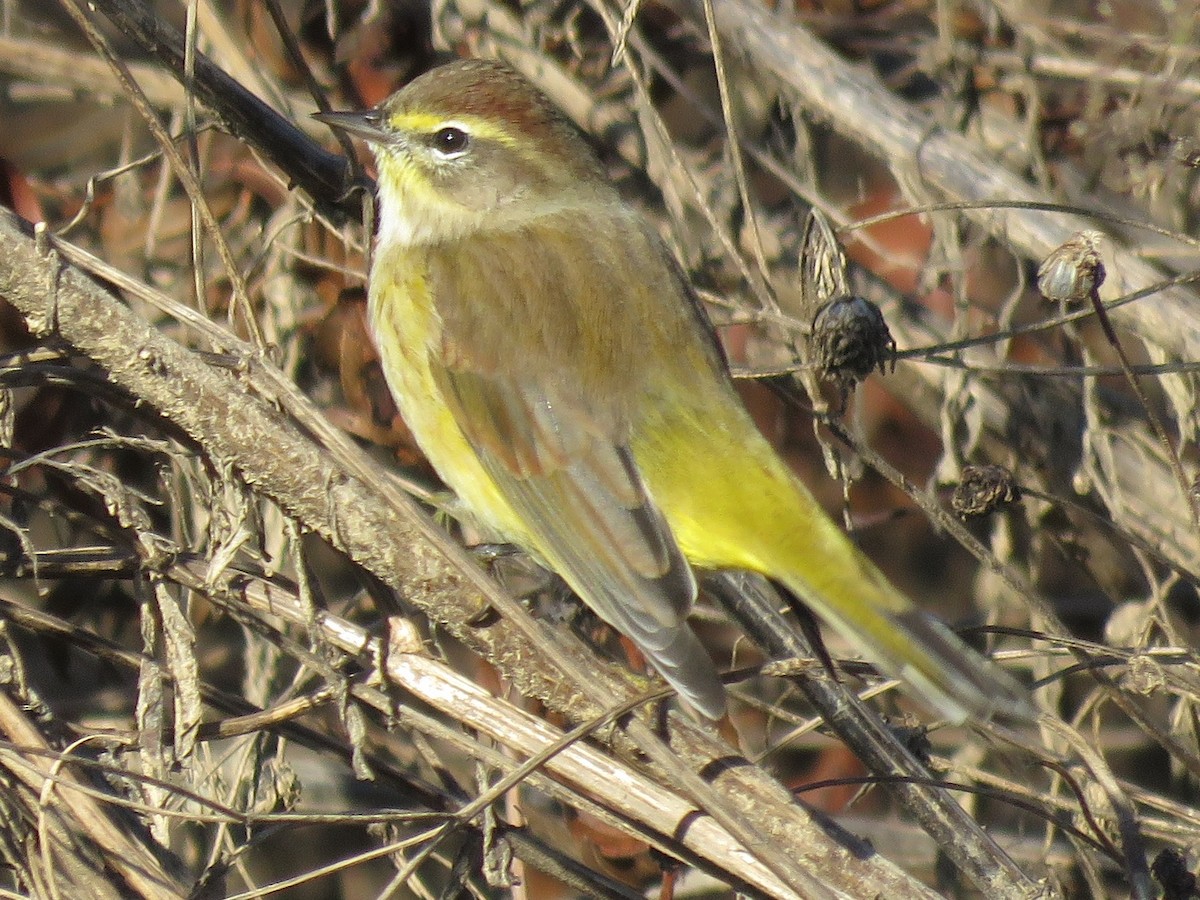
(554, 365)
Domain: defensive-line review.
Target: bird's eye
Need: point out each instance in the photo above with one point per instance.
(450, 141)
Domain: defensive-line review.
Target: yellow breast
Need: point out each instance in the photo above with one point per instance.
(407, 330)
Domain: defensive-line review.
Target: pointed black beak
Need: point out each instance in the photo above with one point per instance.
(365, 124)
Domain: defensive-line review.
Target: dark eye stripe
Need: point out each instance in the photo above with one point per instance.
(450, 140)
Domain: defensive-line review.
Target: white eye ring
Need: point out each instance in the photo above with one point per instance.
(450, 141)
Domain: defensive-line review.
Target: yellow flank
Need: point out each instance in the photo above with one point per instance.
(406, 326)
(731, 500)
(733, 504)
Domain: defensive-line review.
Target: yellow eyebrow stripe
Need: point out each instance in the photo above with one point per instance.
(427, 123)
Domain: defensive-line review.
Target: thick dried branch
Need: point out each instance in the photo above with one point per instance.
(241, 431)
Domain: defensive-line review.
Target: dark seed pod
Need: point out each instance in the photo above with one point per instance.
(1074, 271)
(850, 339)
(1171, 872)
(983, 489)
(915, 738)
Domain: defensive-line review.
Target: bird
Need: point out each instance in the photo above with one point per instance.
(555, 366)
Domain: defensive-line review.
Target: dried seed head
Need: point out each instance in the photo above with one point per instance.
(824, 272)
(1171, 871)
(914, 736)
(1074, 271)
(983, 489)
(849, 339)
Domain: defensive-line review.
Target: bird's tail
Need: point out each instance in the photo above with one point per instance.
(843, 587)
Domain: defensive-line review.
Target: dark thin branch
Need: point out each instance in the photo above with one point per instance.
(324, 176)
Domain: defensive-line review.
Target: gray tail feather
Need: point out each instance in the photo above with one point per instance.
(964, 683)
(687, 667)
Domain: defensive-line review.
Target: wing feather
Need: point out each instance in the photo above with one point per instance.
(559, 453)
